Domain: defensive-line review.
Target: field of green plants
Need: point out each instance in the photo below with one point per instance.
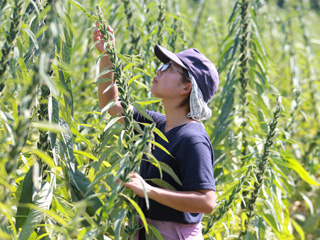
(61, 154)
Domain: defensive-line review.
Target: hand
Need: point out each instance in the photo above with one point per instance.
(136, 184)
(99, 40)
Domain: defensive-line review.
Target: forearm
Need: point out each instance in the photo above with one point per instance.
(105, 97)
(202, 201)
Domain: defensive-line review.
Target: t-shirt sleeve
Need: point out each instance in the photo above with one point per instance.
(197, 167)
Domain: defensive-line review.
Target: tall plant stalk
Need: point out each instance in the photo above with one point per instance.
(133, 148)
(226, 203)
(131, 26)
(244, 78)
(9, 43)
(261, 170)
(161, 21)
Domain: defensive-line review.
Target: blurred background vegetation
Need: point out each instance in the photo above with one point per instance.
(60, 153)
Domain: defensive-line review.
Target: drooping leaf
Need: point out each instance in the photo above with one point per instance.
(117, 224)
(298, 228)
(155, 232)
(147, 101)
(165, 167)
(139, 211)
(41, 199)
(224, 120)
(290, 162)
(68, 146)
(111, 123)
(32, 36)
(25, 197)
(53, 114)
(85, 154)
(157, 131)
(80, 185)
(142, 111)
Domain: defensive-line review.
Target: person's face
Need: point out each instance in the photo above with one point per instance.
(167, 82)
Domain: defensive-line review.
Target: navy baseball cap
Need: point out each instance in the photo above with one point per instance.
(201, 68)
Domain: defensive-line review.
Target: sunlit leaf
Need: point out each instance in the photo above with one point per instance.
(138, 209)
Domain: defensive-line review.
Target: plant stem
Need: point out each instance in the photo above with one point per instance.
(262, 167)
(8, 45)
(161, 21)
(244, 78)
(226, 204)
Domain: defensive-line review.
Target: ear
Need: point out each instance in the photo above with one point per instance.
(186, 88)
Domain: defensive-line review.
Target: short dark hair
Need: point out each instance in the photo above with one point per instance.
(185, 79)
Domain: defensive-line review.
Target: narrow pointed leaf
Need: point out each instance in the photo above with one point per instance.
(138, 209)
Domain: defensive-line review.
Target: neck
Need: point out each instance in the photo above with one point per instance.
(176, 116)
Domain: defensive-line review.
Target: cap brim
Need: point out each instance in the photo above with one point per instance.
(165, 56)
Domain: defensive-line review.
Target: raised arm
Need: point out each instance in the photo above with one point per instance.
(105, 63)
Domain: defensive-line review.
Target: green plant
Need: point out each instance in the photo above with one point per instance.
(61, 155)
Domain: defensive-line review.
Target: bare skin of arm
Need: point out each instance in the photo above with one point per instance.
(202, 201)
(105, 63)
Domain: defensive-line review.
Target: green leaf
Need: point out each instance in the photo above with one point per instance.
(308, 201)
(157, 131)
(134, 78)
(108, 106)
(142, 111)
(163, 184)
(155, 231)
(44, 157)
(273, 214)
(53, 114)
(165, 167)
(224, 120)
(32, 36)
(287, 160)
(43, 63)
(80, 136)
(85, 154)
(67, 146)
(138, 209)
(48, 126)
(162, 148)
(118, 223)
(5, 210)
(25, 197)
(82, 184)
(77, 5)
(111, 123)
(299, 229)
(148, 101)
(129, 66)
(42, 199)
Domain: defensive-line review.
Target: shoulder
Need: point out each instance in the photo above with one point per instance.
(193, 138)
(193, 133)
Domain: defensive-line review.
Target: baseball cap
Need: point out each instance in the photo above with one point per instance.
(202, 69)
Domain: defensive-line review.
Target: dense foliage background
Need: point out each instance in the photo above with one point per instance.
(61, 154)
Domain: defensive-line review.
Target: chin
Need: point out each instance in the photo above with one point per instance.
(152, 90)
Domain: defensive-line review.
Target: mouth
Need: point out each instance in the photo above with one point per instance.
(154, 80)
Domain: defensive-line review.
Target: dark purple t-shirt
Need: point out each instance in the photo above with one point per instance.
(193, 160)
